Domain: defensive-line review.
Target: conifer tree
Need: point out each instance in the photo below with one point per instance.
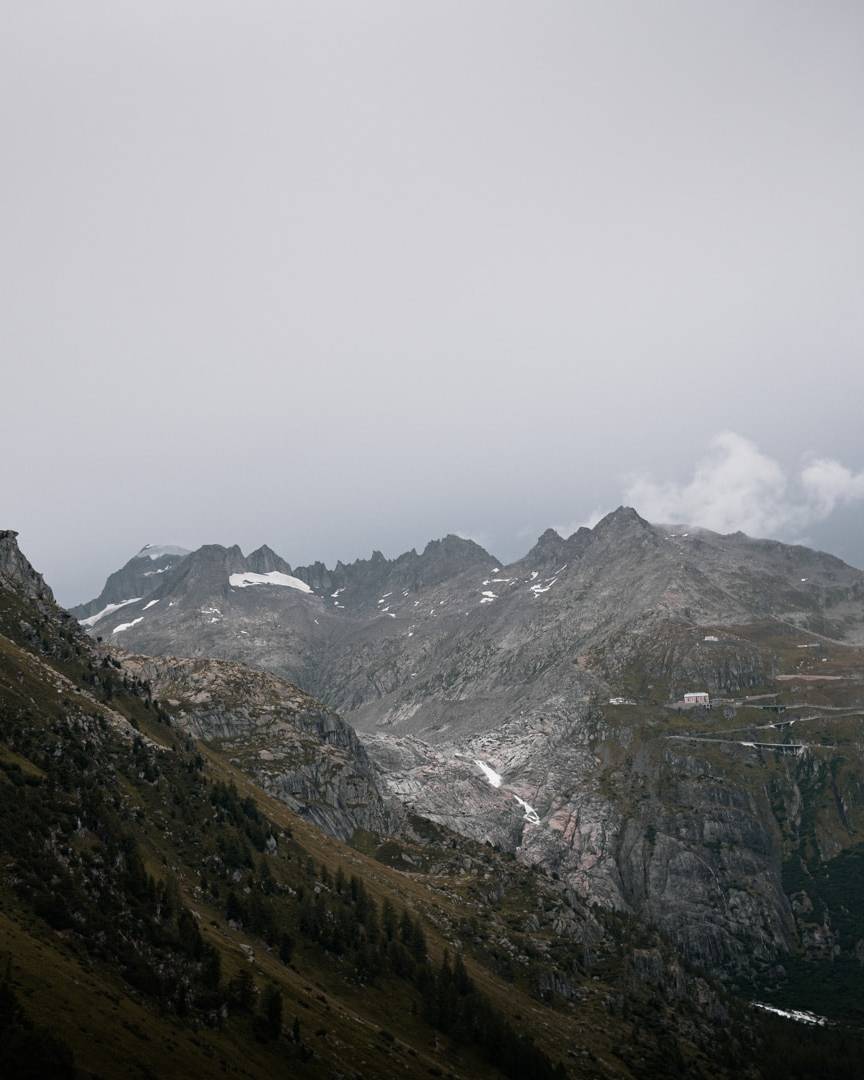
(271, 1009)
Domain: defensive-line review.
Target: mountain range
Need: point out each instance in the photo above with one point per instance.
(481, 732)
(490, 698)
(176, 900)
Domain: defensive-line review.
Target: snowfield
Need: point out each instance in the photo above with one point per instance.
(494, 778)
(156, 551)
(93, 619)
(275, 577)
(530, 813)
(798, 1015)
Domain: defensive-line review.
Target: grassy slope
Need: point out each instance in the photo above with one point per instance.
(91, 1008)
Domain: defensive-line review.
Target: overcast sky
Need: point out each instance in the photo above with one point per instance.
(344, 276)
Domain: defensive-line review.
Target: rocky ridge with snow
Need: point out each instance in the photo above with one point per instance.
(457, 670)
(139, 577)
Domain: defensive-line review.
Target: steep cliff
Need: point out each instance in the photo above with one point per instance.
(294, 748)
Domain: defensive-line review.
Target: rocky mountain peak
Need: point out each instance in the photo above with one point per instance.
(441, 560)
(264, 560)
(549, 542)
(159, 551)
(142, 575)
(454, 545)
(622, 535)
(624, 519)
(318, 576)
(361, 583)
(16, 572)
(550, 547)
(211, 552)
(205, 572)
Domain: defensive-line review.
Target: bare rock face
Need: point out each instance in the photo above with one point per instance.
(446, 786)
(360, 585)
(695, 838)
(17, 574)
(265, 560)
(427, 644)
(293, 747)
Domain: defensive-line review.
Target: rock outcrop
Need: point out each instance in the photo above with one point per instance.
(293, 747)
(17, 574)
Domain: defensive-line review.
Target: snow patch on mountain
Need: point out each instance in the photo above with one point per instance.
(157, 551)
(537, 589)
(275, 577)
(127, 625)
(494, 778)
(530, 813)
(800, 1015)
(93, 619)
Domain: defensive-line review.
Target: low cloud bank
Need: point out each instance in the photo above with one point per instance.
(737, 486)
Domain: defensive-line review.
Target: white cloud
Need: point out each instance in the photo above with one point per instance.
(737, 486)
(828, 484)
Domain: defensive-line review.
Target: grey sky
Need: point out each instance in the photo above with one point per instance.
(336, 276)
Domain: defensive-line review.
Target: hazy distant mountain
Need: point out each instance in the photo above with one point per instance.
(389, 640)
(133, 581)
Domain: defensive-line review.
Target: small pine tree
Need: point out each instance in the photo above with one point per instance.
(241, 990)
(271, 1009)
(461, 978)
(189, 935)
(233, 908)
(286, 948)
(388, 919)
(168, 898)
(418, 946)
(211, 971)
(266, 880)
